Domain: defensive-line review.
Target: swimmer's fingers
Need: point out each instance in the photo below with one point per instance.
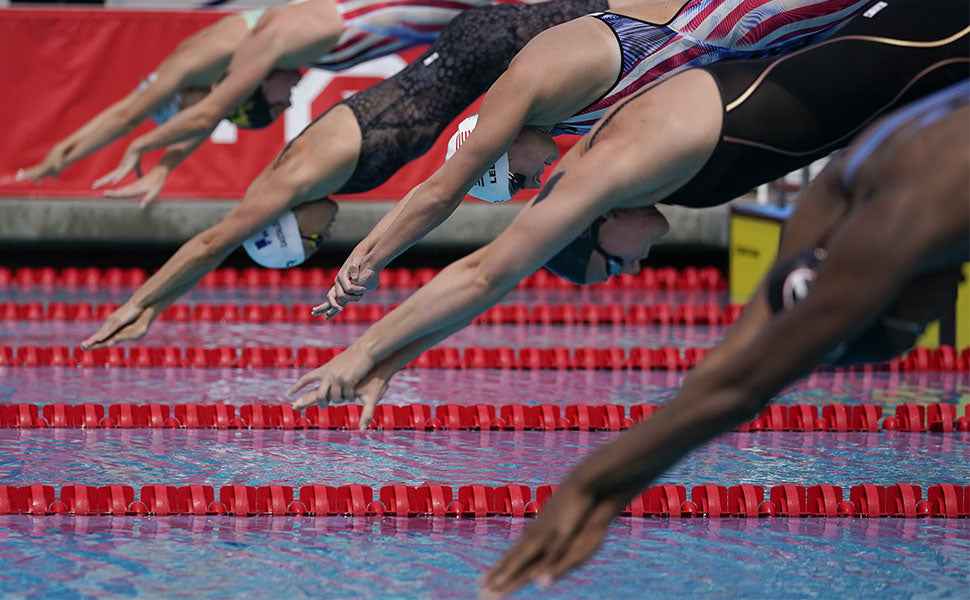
(311, 397)
(128, 162)
(147, 188)
(320, 309)
(330, 389)
(580, 546)
(333, 305)
(348, 274)
(569, 530)
(370, 391)
(519, 566)
(35, 173)
(112, 327)
(329, 308)
(344, 292)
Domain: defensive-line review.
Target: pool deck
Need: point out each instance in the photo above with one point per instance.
(39, 219)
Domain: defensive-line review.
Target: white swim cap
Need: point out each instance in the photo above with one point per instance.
(278, 246)
(493, 186)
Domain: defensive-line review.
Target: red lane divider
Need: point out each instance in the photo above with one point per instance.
(944, 358)
(939, 418)
(516, 314)
(666, 278)
(512, 500)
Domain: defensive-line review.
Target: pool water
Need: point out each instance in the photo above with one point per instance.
(382, 557)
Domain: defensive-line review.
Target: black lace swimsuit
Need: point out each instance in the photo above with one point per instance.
(402, 116)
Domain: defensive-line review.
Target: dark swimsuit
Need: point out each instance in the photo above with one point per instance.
(402, 116)
(782, 113)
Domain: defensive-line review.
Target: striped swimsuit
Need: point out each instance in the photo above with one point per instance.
(376, 28)
(707, 31)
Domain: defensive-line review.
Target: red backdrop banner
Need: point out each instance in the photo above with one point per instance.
(62, 67)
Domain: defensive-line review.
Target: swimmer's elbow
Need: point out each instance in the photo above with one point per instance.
(203, 119)
(438, 200)
(211, 245)
(491, 280)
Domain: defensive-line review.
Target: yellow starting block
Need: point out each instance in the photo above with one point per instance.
(754, 233)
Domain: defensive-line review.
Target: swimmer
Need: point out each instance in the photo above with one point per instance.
(563, 82)
(698, 138)
(242, 67)
(355, 146)
(893, 216)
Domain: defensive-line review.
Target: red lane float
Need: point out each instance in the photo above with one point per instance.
(472, 357)
(866, 500)
(502, 314)
(423, 417)
(664, 278)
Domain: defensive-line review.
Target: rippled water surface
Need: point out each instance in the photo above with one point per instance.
(218, 557)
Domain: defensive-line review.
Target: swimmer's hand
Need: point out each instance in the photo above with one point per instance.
(336, 381)
(370, 390)
(130, 160)
(147, 188)
(127, 323)
(352, 282)
(51, 166)
(567, 531)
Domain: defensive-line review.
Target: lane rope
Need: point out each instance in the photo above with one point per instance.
(666, 358)
(663, 278)
(939, 417)
(475, 501)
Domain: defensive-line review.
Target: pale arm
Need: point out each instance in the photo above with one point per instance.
(197, 62)
(286, 37)
(516, 99)
(186, 268)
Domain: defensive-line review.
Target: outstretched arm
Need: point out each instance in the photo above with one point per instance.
(519, 97)
(288, 36)
(198, 61)
(187, 267)
(870, 256)
(471, 285)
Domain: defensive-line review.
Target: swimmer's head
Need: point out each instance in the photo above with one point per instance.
(519, 168)
(615, 243)
(294, 236)
(268, 102)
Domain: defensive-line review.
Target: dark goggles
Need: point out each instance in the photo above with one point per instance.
(315, 240)
(614, 264)
(254, 112)
(516, 183)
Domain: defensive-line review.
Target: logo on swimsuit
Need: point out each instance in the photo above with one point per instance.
(878, 6)
(796, 286)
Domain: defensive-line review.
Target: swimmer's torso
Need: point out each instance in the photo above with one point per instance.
(401, 117)
(375, 28)
(778, 119)
(706, 31)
